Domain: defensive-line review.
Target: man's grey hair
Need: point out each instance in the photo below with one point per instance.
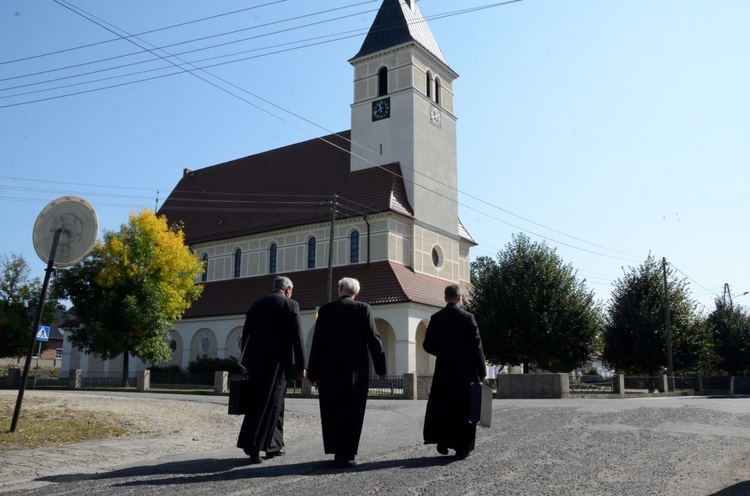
(349, 286)
(282, 283)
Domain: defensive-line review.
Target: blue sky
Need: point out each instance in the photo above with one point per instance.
(608, 129)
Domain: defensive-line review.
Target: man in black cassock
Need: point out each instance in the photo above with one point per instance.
(339, 367)
(453, 337)
(271, 334)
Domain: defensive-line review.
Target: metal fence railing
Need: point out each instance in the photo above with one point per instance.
(590, 384)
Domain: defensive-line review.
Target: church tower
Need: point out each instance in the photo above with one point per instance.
(403, 112)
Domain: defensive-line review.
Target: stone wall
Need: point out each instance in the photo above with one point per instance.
(533, 386)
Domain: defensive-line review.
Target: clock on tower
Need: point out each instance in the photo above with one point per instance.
(381, 109)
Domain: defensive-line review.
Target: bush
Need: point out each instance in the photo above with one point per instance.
(167, 369)
(204, 365)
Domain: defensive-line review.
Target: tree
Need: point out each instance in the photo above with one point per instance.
(531, 309)
(730, 328)
(127, 293)
(635, 337)
(19, 299)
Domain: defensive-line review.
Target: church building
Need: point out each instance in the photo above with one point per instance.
(377, 203)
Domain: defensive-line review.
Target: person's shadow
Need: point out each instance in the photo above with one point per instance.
(225, 469)
(739, 489)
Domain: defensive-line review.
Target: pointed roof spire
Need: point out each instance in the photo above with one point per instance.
(399, 22)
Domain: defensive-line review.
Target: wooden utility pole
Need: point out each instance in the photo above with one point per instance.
(670, 372)
(334, 203)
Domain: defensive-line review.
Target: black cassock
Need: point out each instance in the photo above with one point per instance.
(273, 335)
(453, 337)
(344, 332)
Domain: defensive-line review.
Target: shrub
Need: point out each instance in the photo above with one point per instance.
(204, 365)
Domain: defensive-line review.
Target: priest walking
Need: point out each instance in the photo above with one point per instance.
(453, 337)
(339, 367)
(272, 334)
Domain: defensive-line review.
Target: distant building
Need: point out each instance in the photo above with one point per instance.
(387, 189)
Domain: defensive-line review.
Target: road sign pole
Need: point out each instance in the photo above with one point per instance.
(34, 328)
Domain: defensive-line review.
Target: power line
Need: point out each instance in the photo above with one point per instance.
(131, 37)
(72, 49)
(190, 70)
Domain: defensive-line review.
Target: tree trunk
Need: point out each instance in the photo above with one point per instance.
(525, 367)
(125, 369)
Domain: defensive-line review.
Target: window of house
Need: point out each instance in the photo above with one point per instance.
(311, 253)
(204, 276)
(354, 247)
(383, 81)
(272, 259)
(428, 85)
(237, 262)
(437, 91)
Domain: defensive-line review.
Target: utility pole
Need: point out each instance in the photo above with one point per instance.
(334, 203)
(670, 372)
(727, 292)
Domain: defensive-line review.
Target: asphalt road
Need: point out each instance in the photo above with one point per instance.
(647, 446)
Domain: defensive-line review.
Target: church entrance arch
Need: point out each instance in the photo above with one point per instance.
(425, 362)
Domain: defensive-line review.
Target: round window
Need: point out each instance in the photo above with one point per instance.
(437, 257)
(205, 345)
(173, 345)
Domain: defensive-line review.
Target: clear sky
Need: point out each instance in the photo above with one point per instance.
(608, 129)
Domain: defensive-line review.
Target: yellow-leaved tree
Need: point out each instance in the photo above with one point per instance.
(127, 293)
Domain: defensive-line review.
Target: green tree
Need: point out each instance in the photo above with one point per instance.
(635, 339)
(19, 299)
(127, 293)
(730, 328)
(532, 310)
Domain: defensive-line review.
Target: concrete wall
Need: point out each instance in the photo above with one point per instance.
(533, 386)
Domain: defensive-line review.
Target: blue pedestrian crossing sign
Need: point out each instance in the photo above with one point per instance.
(42, 333)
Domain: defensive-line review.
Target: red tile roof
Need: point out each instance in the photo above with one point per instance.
(282, 188)
(381, 282)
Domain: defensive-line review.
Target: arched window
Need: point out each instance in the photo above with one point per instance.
(237, 262)
(354, 247)
(272, 259)
(428, 85)
(383, 81)
(437, 91)
(204, 276)
(311, 253)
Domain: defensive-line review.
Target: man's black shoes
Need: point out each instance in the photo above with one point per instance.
(442, 449)
(461, 455)
(254, 456)
(274, 454)
(344, 462)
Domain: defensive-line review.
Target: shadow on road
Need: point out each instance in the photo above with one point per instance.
(739, 489)
(229, 469)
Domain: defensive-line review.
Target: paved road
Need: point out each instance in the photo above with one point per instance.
(646, 446)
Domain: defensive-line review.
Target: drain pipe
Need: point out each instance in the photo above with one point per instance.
(364, 217)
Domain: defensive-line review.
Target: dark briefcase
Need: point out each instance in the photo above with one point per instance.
(239, 396)
(481, 404)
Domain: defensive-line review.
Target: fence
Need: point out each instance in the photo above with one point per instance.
(391, 386)
(590, 384)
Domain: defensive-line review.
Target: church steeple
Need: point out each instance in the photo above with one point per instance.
(399, 22)
(403, 112)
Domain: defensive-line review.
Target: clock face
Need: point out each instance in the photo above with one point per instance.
(435, 116)
(381, 109)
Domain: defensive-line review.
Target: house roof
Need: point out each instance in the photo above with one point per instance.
(398, 22)
(381, 283)
(282, 188)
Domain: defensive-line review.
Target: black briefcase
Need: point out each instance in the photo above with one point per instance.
(239, 396)
(481, 404)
